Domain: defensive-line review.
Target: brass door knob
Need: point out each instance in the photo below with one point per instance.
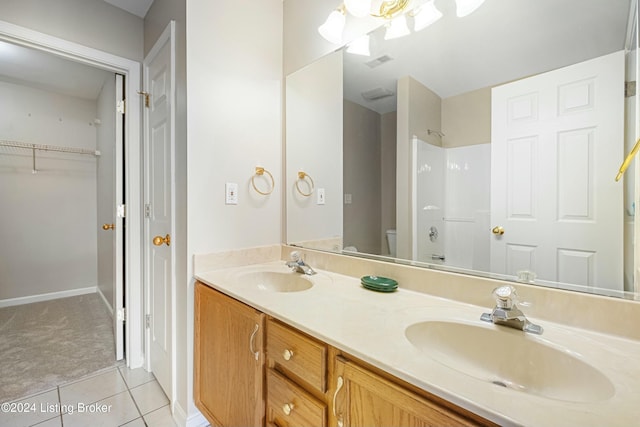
(108, 226)
(159, 240)
(498, 230)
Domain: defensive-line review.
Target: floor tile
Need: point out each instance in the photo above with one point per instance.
(138, 422)
(54, 422)
(92, 389)
(160, 418)
(32, 410)
(149, 397)
(114, 411)
(136, 377)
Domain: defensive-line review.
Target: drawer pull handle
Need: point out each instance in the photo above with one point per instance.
(287, 354)
(287, 408)
(256, 354)
(338, 388)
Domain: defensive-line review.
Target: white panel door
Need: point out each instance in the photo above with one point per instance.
(160, 252)
(557, 142)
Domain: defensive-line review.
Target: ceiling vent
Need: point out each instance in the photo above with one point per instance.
(378, 61)
(377, 93)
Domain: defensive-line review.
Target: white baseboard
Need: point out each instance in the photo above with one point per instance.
(104, 300)
(46, 297)
(195, 420)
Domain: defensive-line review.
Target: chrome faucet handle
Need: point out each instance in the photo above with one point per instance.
(295, 256)
(506, 297)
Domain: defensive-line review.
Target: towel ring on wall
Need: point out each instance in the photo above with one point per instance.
(302, 176)
(260, 171)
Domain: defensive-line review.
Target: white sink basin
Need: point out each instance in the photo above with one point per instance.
(277, 281)
(511, 358)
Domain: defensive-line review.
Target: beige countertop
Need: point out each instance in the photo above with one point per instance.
(371, 326)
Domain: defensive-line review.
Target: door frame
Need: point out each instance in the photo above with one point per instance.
(168, 36)
(133, 221)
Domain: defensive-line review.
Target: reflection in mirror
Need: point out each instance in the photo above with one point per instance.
(486, 144)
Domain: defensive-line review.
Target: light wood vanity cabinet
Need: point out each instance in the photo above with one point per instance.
(301, 382)
(296, 378)
(229, 359)
(365, 398)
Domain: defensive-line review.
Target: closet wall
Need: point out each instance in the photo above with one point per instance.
(48, 224)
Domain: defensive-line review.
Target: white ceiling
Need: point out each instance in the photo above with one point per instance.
(503, 40)
(42, 70)
(137, 7)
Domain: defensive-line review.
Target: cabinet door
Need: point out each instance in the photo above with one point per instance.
(365, 399)
(229, 360)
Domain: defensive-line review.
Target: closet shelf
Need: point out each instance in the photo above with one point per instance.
(42, 147)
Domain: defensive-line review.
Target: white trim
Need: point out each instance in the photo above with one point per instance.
(133, 244)
(104, 299)
(48, 296)
(167, 36)
(195, 420)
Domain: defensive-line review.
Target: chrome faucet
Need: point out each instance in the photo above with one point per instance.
(297, 264)
(507, 313)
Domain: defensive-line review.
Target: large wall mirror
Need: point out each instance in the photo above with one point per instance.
(486, 144)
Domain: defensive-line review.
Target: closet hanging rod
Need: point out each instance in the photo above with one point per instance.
(42, 147)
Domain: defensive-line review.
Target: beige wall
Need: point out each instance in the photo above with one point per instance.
(48, 218)
(362, 177)
(92, 23)
(234, 123)
(466, 119)
(314, 145)
(388, 176)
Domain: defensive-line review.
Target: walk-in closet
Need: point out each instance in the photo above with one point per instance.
(57, 163)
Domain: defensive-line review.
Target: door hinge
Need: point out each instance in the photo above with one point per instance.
(122, 315)
(147, 210)
(146, 97)
(629, 89)
(121, 106)
(147, 320)
(121, 211)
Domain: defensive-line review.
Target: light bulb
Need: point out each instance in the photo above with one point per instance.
(466, 7)
(359, 8)
(332, 28)
(397, 28)
(360, 46)
(426, 15)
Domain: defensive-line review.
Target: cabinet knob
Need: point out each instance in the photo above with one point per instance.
(287, 408)
(287, 354)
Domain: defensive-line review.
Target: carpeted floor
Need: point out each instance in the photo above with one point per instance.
(46, 343)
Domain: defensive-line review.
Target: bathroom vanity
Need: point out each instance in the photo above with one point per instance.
(278, 348)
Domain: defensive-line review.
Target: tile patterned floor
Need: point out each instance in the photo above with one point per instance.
(112, 398)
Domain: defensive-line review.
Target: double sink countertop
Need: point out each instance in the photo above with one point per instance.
(376, 327)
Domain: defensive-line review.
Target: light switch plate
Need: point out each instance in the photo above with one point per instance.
(231, 193)
(320, 196)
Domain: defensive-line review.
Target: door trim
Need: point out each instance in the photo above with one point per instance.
(131, 69)
(167, 36)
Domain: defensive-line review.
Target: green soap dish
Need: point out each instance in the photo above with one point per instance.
(378, 281)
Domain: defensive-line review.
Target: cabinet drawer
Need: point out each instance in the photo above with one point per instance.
(290, 405)
(297, 353)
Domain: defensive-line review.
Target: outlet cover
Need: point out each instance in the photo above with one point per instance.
(231, 193)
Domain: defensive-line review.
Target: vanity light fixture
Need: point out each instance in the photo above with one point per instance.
(333, 27)
(358, 8)
(360, 46)
(466, 7)
(425, 15)
(397, 28)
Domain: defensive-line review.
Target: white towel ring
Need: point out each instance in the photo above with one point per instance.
(302, 176)
(260, 171)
